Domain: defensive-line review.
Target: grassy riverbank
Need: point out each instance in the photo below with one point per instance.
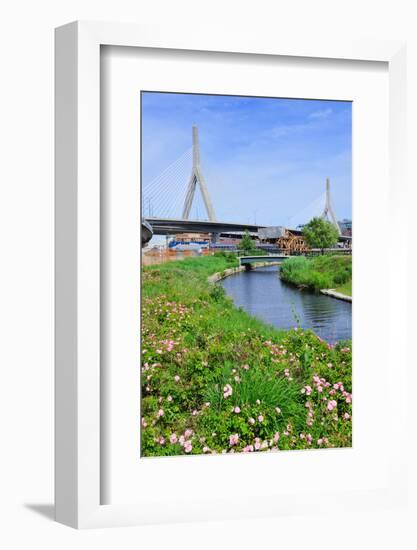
(331, 271)
(215, 379)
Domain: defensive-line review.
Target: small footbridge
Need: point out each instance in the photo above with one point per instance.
(248, 261)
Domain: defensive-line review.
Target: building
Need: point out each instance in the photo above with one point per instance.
(345, 227)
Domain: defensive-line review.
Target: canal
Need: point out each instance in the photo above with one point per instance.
(262, 294)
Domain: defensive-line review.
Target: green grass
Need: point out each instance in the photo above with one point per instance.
(196, 343)
(345, 289)
(328, 271)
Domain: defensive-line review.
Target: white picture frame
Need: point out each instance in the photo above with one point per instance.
(78, 411)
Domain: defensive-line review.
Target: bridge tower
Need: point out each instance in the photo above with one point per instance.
(197, 177)
(328, 208)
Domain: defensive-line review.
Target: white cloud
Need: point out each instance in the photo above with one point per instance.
(324, 113)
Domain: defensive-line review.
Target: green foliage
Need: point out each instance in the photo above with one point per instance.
(329, 271)
(196, 345)
(246, 244)
(319, 233)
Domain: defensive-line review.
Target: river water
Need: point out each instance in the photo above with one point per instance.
(262, 294)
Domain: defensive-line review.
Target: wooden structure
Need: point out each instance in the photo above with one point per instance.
(292, 243)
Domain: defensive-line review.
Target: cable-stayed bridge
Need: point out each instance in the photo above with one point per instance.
(180, 192)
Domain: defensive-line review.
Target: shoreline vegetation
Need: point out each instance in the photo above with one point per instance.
(217, 380)
(318, 273)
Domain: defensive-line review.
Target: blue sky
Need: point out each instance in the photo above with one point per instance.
(264, 159)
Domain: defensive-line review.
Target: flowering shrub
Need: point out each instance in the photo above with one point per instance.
(216, 380)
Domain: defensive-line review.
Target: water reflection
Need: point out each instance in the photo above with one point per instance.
(262, 293)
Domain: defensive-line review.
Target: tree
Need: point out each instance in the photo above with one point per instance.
(246, 244)
(319, 233)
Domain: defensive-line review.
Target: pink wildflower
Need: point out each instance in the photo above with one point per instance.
(188, 447)
(236, 410)
(173, 438)
(188, 432)
(251, 421)
(260, 418)
(276, 437)
(227, 391)
(234, 439)
(160, 413)
(331, 404)
(177, 378)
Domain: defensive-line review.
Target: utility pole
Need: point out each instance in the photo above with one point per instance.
(197, 177)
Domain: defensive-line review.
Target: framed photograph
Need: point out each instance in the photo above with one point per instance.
(220, 334)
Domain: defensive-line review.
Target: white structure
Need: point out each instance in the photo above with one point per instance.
(328, 208)
(197, 177)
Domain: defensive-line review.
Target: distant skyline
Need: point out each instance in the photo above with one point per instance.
(265, 159)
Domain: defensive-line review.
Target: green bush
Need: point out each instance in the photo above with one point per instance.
(326, 271)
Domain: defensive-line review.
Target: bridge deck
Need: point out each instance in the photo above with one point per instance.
(245, 260)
